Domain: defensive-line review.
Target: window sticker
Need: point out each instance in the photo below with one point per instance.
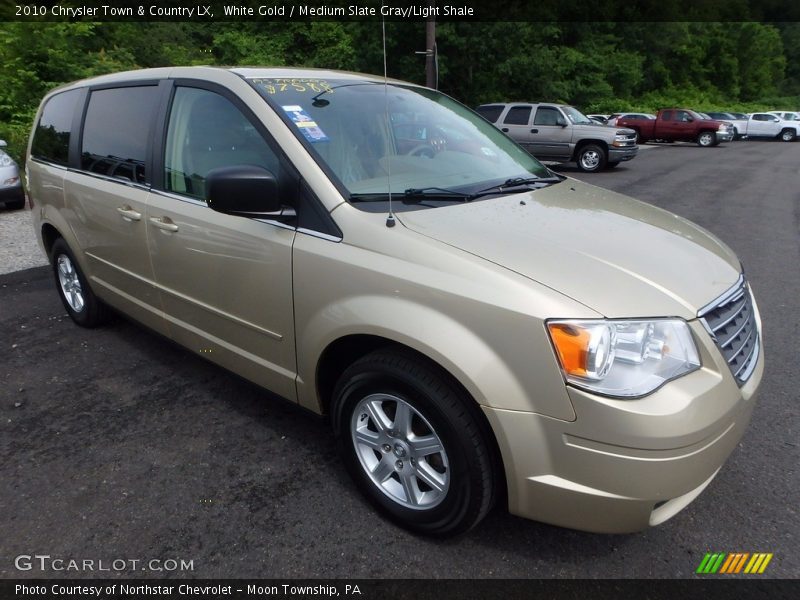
(307, 126)
(277, 85)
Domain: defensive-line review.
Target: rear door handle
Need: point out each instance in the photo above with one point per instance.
(534, 131)
(164, 223)
(129, 214)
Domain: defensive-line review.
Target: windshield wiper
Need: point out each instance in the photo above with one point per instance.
(413, 196)
(517, 185)
(418, 195)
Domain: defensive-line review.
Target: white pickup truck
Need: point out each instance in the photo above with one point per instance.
(772, 126)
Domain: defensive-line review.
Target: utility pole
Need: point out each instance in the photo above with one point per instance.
(431, 59)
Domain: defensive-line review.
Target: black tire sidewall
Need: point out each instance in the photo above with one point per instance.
(366, 381)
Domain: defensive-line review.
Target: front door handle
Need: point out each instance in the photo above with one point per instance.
(164, 223)
(129, 214)
(534, 131)
(504, 130)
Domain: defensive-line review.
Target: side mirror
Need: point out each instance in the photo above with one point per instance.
(561, 121)
(689, 119)
(245, 191)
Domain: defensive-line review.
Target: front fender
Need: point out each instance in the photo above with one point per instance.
(446, 341)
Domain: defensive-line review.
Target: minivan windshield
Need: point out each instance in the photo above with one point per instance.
(378, 139)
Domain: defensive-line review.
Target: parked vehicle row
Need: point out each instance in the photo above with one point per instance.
(561, 133)
(679, 125)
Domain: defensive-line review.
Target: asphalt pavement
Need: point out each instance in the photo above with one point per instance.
(118, 445)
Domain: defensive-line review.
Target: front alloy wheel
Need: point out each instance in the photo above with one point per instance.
(591, 158)
(706, 138)
(788, 135)
(414, 443)
(400, 451)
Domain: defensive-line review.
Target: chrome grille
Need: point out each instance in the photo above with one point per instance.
(731, 321)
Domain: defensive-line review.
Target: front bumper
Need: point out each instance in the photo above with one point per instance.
(622, 154)
(725, 136)
(625, 465)
(11, 194)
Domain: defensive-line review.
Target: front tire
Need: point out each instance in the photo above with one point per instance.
(591, 158)
(413, 444)
(788, 135)
(82, 305)
(706, 139)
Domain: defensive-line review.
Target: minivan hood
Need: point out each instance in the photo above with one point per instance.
(616, 255)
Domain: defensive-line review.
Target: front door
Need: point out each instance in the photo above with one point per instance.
(225, 281)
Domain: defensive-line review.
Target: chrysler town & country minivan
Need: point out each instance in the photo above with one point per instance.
(475, 326)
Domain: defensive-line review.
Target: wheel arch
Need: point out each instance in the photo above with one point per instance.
(346, 350)
(585, 142)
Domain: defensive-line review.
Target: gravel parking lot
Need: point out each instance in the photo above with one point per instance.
(18, 249)
(118, 444)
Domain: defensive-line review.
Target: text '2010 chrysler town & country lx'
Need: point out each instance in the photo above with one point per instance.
(475, 326)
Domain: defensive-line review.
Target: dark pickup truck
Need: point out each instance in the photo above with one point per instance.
(680, 125)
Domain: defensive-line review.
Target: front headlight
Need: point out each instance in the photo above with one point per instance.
(625, 359)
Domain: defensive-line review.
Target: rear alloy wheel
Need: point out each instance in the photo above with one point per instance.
(706, 139)
(788, 135)
(82, 305)
(591, 158)
(413, 443)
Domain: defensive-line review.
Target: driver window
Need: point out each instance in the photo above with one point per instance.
(546, 115)
(207, 131)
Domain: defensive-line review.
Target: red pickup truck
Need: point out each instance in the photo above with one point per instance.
(680, 125)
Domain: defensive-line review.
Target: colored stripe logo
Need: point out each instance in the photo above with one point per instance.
(729, 563)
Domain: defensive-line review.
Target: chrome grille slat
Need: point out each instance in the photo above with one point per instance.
(746, 361)
(734, 310)
(738, 350)
(729, 319)
(735, 334)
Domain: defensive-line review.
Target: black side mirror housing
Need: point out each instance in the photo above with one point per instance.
(561, 121)
(243, 190)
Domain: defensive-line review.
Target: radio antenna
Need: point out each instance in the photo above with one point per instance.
(390, 218)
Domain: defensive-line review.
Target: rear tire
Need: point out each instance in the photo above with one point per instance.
(82, 305)
(591, 158)
(413, 443)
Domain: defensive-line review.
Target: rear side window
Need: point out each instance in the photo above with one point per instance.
(491, 112)
(116, 131)
(51, 138)
(518, 115)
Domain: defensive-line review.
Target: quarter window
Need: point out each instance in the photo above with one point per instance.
(518, 115)
(116, 131)
(51, 138)
(207, 131)
(491, 112)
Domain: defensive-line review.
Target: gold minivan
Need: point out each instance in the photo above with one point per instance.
(477, 327)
